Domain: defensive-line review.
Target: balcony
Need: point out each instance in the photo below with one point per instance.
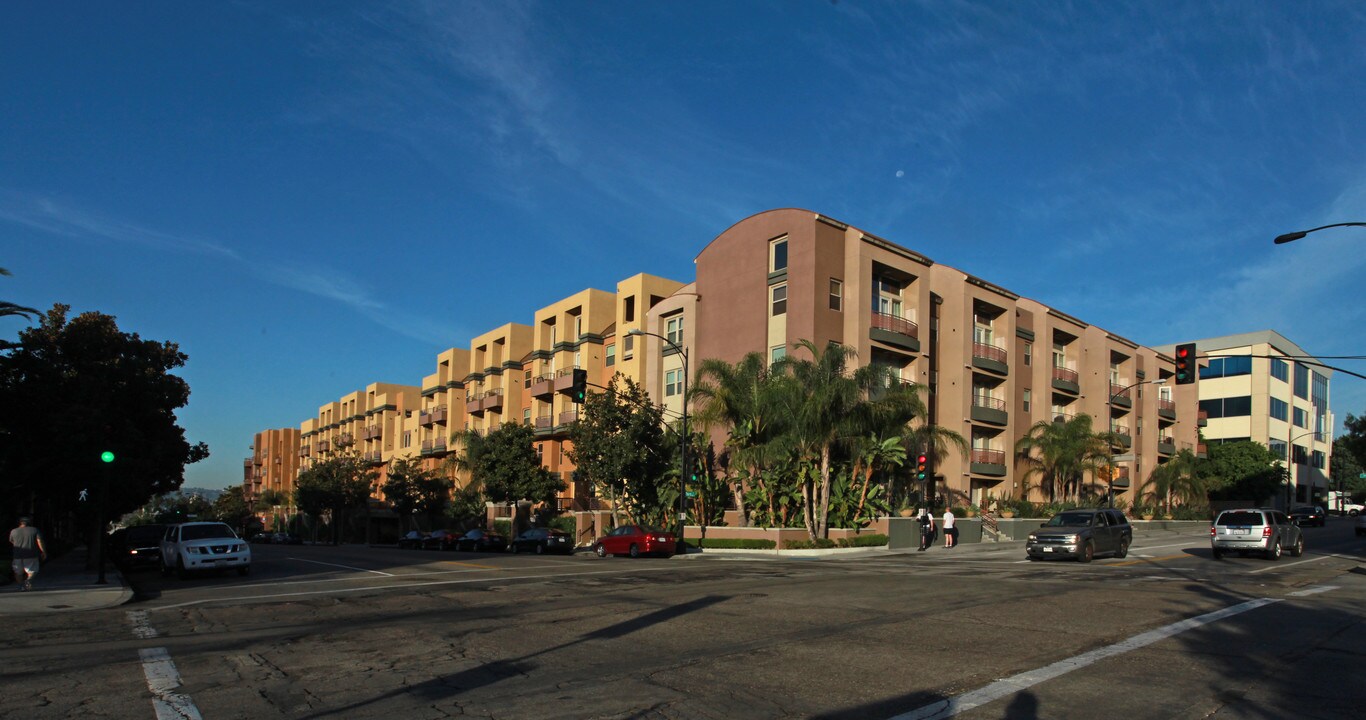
(542, 386)
(1119, 395)
(988, 462)
(564, 379)
(990, 358)
(544, 422)
(374, 457)
(1066, 380)
(438, 415)
(893, 330)
(1166, 445)
(474, 404)
(424, 419)
(346, 440)
(493, 400)
(376, 432)
(305, 451)
(324, 446)
(246, 464)
(987, 409)
(426, 447)
(1125, 439)
(568, 417)
(1166, 408)
(438, 446)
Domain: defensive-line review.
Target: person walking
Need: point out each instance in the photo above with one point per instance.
(28, 551)
(926, 529)
(950, 532)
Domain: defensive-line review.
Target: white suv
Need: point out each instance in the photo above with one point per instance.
(203, 546)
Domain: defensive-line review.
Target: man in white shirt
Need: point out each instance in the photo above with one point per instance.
(950, 534)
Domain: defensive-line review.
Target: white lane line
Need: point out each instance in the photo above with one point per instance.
(1313, 590)
(1278, 566)
(344, 567)
(163, 680)
(1015, 683)
(141, 628)
(435, 583)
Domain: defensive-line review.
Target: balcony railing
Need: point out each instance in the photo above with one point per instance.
(1057, 416)
(989, 457)
(542, 385)
(1119, 429)
(989, 352)
(1165, 404)
(1065, 374)
(986, 401)
(892, 323)
(569, 416)
(1120, 391)
(545, 422)
(439, 414)
(424, 418)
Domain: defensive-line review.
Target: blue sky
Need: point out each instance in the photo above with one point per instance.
(309, 197)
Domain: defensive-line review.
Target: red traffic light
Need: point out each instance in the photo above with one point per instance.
(921, 460)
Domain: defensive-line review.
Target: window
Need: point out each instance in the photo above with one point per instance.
(1059, 355)
(778, 306)
(1226, 367)
(407, 438)
(1280, 370)
(628, 347)
(1301, 418)
(887, 297)
(673, 383)
(526, 415)
(1028, 354)
(836, 295)
(629, 312)
(674, 330)
(611, 355)
(1301, 381)
(1026, 399)
(1228, 407)
(1277, 448)
(777, 255)
(777, 352)
(1280, 409)
(1317, 459)
(528, 378)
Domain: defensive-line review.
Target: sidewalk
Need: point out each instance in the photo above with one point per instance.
(64, 585)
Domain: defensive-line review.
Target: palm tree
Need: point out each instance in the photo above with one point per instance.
(1176, 479)
(1062, 453)
(832, 409)
(746, 399)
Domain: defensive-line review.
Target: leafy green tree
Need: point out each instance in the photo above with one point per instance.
(619, 448)
(1243, 470)
(232, 508)
(504, 466)
(1180, 480)
(467, 507)
(9, 309)
(410, 488)
(1061, 454)
(334, 487)
(1354, 440)
(1346, 471)
(73, 388)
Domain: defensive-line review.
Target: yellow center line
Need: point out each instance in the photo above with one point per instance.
(1149, 560)
(469, 564)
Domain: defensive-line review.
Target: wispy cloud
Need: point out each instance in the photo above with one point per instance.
(67, 220)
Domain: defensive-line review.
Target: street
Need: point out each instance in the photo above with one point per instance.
(360, 632)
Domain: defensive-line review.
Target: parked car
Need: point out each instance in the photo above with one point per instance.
(1361, 524)
(1082, 534)
(191, 546)
(635, 540)
(136, 547)
(479, 541)
(543, 540)
(1262, 530)
(1309, 515)
(412, 540)
(439, 540)
(281, 538)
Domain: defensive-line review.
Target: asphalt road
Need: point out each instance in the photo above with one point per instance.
(975, 632)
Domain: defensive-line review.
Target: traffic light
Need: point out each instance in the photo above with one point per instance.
(922, 466)
(1185, 363)
(107, 456)
(579, 389)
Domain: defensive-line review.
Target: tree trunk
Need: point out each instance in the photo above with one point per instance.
(808, 502)
(825, 491)
(863, 496)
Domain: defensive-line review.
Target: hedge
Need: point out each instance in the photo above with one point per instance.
(733, 543)
(863, 541)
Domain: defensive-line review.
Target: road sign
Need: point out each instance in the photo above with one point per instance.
(692, 493)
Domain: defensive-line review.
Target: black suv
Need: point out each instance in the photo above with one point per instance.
(1082, 534)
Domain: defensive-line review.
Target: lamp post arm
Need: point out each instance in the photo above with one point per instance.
(1292, 236)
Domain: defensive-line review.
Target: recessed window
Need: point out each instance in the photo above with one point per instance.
(673, 383)
(836, 295)
(778, 305)
(777, 255)
(611, 355)
(1028, 354)
(1280, 370)
(1280, 409)
(673, 329)
(777, 352)
(1026, 399)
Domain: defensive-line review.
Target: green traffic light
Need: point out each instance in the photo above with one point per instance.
(107, 456)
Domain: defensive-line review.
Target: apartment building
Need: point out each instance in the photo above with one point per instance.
(1260, 386)
(372, 423)
(274, 463)
(993, 363)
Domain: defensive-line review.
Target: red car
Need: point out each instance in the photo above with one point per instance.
(636, 540)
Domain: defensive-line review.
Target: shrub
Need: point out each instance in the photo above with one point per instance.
(733, 543)
(817, 544)
(564, 523)
(862, 541)
(503, 527)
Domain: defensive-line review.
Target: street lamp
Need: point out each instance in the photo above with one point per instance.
(679, 548)
(1110, 477)
(1292, 236)
(1295, 476)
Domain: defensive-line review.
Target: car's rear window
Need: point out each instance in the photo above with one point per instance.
(149, 534)
(206, 532)
(1240, 518)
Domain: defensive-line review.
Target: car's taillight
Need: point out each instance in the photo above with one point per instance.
(1266, 531)
(1211, 531)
